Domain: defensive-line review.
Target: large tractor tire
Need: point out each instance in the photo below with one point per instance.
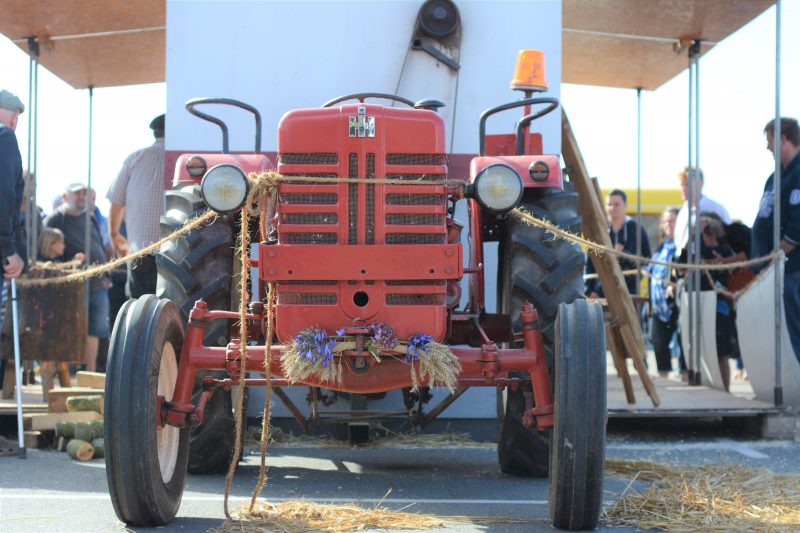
(145, 464)
(535, 268)
(196, 266)
(579, 434)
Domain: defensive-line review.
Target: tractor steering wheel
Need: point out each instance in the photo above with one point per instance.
(363, 96)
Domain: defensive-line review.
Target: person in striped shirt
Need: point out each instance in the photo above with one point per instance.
(137, 195)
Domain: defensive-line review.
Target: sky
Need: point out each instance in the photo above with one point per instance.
(737, 98)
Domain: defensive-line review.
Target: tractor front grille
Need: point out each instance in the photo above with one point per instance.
(408, 213)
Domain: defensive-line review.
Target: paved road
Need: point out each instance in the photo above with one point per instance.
(48, 492)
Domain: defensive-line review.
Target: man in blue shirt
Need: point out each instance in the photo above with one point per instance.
(789, 155)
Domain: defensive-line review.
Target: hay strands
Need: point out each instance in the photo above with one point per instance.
(714, 497)
(300, 516)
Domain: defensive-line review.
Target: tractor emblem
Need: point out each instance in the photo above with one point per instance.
(362, 125)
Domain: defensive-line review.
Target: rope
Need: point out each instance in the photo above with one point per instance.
(243, 298)
(265, 420)
(596, 248)
(262, 196)
(102, 268)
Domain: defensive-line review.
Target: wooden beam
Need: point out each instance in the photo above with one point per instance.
(595, 228)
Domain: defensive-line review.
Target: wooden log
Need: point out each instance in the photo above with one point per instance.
(97, 428)
(80, 450)
(83, 431)
(595, 228)
(65, 429)
(89, 402)
(57, 397)
(99, 446)
(40, 421)
(37, 439)
(93, 380)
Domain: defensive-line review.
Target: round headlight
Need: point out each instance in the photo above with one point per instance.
(224, 188)
(498, 187)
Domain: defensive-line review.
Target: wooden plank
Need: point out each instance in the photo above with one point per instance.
(44, 421)
(595, 228)
(57, 397)
(94, 380)
(682, 400)
(618, 355)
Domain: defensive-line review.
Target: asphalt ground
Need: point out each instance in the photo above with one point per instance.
(49, 492)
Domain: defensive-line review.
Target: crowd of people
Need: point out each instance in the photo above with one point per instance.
(62, 234)
(721, 241)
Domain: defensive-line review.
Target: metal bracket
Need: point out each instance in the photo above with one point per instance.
(425, 46)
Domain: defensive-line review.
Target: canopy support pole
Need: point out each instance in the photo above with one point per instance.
(31, 209)
(776, 230)
(87, 233)
(698, 315)
(693, 285)
(638, 188)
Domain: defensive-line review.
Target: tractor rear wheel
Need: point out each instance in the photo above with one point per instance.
(145, 464)
(537, 268)
(579, 434)
(197, 266)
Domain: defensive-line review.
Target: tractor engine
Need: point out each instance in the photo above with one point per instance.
(353, 254)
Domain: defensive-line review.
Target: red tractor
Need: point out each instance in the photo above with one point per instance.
(348, 258)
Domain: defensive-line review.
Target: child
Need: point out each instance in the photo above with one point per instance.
(712, 250)
(51, 247)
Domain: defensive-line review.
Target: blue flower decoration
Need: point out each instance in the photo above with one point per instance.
(417, 345)
(315, 346)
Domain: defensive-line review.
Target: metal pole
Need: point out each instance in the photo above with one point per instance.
(30, 198)
(638, 187)
(33, 252)
(697, 242)
(776, 230)
(88, 215)
(17, 369)
(689, 335)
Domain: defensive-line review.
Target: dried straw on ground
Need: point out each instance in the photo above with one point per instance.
(446, 439)
(301, 516)
(705, 498)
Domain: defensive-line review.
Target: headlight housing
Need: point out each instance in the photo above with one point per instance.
(224, 188)
(498, 188)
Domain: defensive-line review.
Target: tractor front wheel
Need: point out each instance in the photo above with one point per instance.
(579, 436)
(535, 267)
(145, 463)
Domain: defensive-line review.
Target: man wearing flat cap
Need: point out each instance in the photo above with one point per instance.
(11, 187)
(138, 195)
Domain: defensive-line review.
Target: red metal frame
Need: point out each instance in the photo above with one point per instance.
(486, 366)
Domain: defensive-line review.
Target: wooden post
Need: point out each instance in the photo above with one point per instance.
(618, 355)
(595, 229)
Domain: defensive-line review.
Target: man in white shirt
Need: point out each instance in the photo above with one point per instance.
(706, 204)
